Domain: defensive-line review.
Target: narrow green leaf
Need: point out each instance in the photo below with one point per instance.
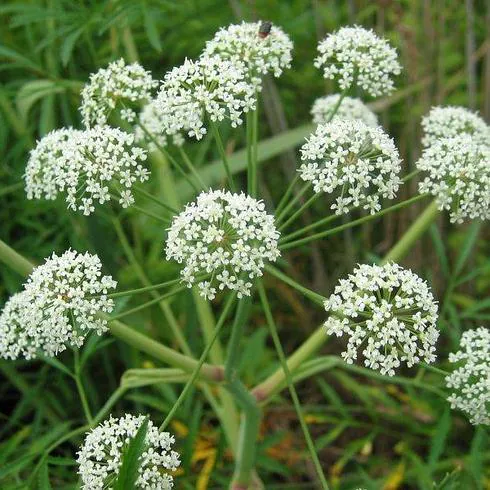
(43, 482)
(131, 459)
(439, 439)
(467, 247)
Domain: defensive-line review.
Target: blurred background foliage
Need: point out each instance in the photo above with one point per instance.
(370, 433)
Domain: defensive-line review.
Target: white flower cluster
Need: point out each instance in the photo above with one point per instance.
(209, 87)
(90, 166)
(224, 235)
(470, 382)
(261, 52)
(357, 56)
(100, 456)
(359, 161)
(387, 311)
(448, 122)
(151, 130)
(350, 108)
(58, 307)
(129, 84)
(458, 176)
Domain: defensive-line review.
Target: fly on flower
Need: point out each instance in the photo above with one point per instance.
(265, 29)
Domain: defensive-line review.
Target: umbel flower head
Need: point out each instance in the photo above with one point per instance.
(448, 122)
(95, 165)
(225, 236)
(350, 108)
(262, 47)
(360, 162)
(209, 87)
(470, 382)
(388, 312)
(118, 83)
(458, 175)
(357, 56)
(151, 130)
(100, 456)
(58, 307)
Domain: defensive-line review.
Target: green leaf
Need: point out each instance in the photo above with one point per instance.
(33, 91)
(69, 44)
(439, 439)
(152, 30)
(131, 459)
(43, 477)
(468, 245)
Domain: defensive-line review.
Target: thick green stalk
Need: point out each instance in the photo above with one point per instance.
(14, 260)
(314, 342)
(163, 353)
(364, 219)
(416, 230)
(222, 152)
(195, 373)
(292, 389)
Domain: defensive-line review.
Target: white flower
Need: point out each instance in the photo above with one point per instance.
(357, 56)
(448, 122)
(58, 307)
(261, 53)
(118, 83)
(458, 176)
(95, 165)
(152, 128)
(360, 162)
(388, 312)
(209, 87)
(470, 382)
(100, 456)
(350, 108)
(226, 236)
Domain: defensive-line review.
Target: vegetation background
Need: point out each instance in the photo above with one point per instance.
(369, 433)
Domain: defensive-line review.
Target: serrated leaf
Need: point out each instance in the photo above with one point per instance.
(131, 459)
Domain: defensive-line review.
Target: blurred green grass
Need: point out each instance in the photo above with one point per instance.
(370, 433)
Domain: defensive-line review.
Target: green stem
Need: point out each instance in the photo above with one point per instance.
(149, 303)
(155, 199)
(298, 213)
(113, 399)
(222, 152)
(145, 289)
(14, 260)
(190, 383)
(286, 195)
(167, 312)
(192, 168)
(316, 298)
(307, 228)
(337, 105)
(166, 222)
(416, 230)
(252, 133)
(292, 389)
(266, 388)
(291, 203)
(168, 156)
(163, 353)
(81, 390)
(365, 219)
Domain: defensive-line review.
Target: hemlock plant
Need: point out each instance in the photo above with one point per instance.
(226, 239)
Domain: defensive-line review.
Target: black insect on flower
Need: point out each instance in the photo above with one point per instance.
(265, 29)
